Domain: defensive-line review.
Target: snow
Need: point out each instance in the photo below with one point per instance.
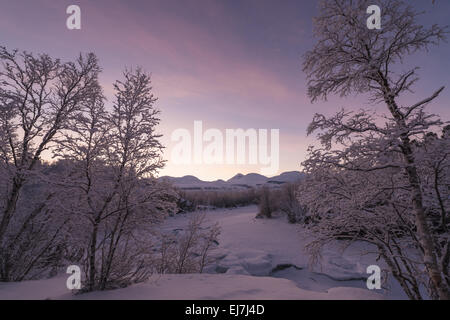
(256, 259)
(184, 287)
(251, 246)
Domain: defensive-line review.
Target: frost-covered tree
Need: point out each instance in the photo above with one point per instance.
(349, 58)
(112, 191)
(374, 206)
(97, 202)
(434, 154)
(38, 94)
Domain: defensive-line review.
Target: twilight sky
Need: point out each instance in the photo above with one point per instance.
(229, 63)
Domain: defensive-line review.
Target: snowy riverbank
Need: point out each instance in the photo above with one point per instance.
(256, 259)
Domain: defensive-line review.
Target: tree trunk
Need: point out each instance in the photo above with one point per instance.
(430, 256)
(92, 253)
(441, 203)
(10, 207)
(425, 237)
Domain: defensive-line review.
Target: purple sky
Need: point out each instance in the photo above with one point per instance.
(229, 63)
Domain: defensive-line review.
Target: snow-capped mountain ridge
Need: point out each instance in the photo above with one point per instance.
(240, 180)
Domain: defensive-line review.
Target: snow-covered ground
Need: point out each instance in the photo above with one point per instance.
(256, 259)
(185, 287)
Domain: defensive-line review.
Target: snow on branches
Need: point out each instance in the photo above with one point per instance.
(370, 177)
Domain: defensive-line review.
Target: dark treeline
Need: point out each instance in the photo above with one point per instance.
(270, 201)
(191, 200)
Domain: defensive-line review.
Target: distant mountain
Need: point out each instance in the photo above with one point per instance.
(251, 179)
(182, 180)
(194, 183)
(239, 181)
(236, 177)
(287, 177)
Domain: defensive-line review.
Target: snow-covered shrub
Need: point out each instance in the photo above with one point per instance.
(289, 203)
(267, 203)
(280, 201)
(188, 252)
(185, 205)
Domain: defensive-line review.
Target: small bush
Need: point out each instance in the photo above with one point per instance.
(289, 204)
(267, 204)
(281, 200)
(191, 251)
